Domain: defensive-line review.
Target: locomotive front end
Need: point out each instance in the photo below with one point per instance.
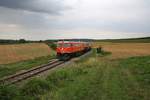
(63, 50)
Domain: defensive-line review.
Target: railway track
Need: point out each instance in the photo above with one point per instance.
(30, 73)
(12, 79)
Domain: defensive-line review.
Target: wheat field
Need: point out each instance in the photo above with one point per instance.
(19, 52)
(124, 50)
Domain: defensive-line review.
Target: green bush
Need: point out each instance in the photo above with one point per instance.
(52, 45)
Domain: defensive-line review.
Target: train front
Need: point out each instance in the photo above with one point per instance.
(63, 50)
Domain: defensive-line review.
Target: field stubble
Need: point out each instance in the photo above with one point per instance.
(19, 52)
(125, 50)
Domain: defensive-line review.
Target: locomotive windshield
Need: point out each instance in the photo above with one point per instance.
(59, 45)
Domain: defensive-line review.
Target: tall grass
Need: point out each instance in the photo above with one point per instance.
(8, 92)
(91, 79)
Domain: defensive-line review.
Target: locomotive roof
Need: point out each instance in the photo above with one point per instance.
(70, 42)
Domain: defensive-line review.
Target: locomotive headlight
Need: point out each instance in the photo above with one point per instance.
(62, 50)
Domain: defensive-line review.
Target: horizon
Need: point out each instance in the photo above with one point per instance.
(79, 39)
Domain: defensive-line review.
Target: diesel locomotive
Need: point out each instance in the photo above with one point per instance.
(68, 49)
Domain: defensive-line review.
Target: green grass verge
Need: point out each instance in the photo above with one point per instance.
(9, 69)
(91, 79)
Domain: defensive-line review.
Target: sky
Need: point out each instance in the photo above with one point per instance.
(63, 19)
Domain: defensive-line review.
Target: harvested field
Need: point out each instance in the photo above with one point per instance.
(19, 52)
(124, 50)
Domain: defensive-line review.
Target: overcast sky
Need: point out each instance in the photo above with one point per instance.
(53, 19)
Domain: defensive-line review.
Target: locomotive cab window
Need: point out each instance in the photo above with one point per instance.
(59, 45)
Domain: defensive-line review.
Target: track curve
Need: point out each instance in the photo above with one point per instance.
(30, 73)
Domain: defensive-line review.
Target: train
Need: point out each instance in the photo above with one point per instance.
(68, 49)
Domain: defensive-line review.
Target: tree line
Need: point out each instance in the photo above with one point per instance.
(13, 41)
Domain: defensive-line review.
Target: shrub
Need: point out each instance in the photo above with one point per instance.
(52, 45)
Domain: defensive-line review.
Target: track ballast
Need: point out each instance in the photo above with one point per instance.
(30, 73)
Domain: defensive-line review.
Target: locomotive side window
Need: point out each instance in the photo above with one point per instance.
(63, 45)
(66, 45)
(76, 45)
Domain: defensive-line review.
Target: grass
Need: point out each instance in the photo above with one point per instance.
(93, 78)
(8, 69)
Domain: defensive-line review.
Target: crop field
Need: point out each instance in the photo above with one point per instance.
(20, 52)
(124, 50)
(20, 57)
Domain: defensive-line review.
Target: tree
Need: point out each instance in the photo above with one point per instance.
(22, 41)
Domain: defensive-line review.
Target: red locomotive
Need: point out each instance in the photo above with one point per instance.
(67, 49)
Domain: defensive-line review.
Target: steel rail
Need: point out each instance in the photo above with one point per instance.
(30, 73)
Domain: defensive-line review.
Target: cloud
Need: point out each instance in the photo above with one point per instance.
(43, 19)
(40, 6)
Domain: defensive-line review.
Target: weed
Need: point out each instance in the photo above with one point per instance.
(8, 92)
(35, 87)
